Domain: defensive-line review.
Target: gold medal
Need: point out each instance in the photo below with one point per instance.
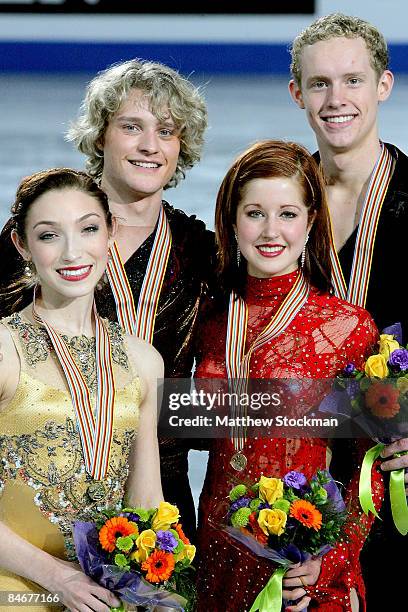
(238, 461)
(96, 491)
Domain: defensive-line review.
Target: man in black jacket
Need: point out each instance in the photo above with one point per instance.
(141, 127)
(340, 75)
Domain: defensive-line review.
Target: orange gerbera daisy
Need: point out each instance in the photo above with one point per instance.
(181, 533)
(114, 528)
(159, 566)
(306, 513)
(382, 400)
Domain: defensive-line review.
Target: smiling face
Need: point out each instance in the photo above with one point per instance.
(340, 92)
(67, 238)
(271, 226)
(140, 152)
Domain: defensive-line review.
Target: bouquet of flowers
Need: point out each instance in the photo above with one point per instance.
(375, 397)
(286, 521)
(142, 555)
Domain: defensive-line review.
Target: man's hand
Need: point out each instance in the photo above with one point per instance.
(396, 463)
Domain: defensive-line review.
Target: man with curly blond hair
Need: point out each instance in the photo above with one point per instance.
(340, 75)
(141, 127)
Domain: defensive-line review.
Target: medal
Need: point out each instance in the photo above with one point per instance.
(238, 461)
(96, 491)
(95, 427)
(238, 362)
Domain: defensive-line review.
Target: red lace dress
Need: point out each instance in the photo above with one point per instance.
(326, 334)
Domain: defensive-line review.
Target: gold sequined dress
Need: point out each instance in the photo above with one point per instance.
(44, 487)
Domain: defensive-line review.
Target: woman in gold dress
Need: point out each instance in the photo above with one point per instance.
(74, 391)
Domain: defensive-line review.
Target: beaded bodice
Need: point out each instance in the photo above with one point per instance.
(43, 482)
(325, 335)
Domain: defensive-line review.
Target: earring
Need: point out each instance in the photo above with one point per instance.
(29, 269)
(303, 257)
(238, 252)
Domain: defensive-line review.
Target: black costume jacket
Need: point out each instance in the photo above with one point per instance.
(387, 302)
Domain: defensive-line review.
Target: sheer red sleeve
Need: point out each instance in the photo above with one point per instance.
(340, 570)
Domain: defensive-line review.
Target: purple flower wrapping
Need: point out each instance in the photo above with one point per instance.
(394, 330)
(288, 556)
(128, 585)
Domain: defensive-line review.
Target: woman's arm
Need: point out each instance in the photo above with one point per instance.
(143, 486)
(333, 580)
(77, 592)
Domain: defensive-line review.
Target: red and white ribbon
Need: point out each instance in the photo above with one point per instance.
(140, 321)
(356, 292)
(95, 428)
(237, 361)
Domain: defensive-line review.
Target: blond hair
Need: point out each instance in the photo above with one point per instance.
(339, 25)
(165, 90)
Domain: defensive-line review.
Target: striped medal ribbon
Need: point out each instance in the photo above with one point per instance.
(238, 363)
(140, 322)
(356, 292)
(95, 430)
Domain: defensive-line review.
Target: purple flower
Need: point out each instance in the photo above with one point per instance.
(242, 502)
(264, 506)
(294, 479)
(131, 516)
(166, 541)
(399, 359)
(349, 369)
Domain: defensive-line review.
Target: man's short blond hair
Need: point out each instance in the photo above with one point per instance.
(338, 25)
(165, 90)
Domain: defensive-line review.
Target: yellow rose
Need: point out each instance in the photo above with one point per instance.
(165, 516)
(376, 365)
(188, 551)
(139, 555)
(272, 521)
(388, 344)
(147, 540)
(402, 384)
(270, 489)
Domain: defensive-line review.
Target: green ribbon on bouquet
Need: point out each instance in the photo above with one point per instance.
(270, 598)
(398, 498)
(364, 488)
(121, 608)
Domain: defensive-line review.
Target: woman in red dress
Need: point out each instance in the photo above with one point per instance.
(272, 229)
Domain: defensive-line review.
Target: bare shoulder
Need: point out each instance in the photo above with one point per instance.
(7, 347)
(9, 366)
(146, 359)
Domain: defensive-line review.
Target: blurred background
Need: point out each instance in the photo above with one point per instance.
(50, 49)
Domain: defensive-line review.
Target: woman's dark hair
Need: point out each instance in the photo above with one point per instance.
(35, 185)
(273, 159)
(15, 291)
